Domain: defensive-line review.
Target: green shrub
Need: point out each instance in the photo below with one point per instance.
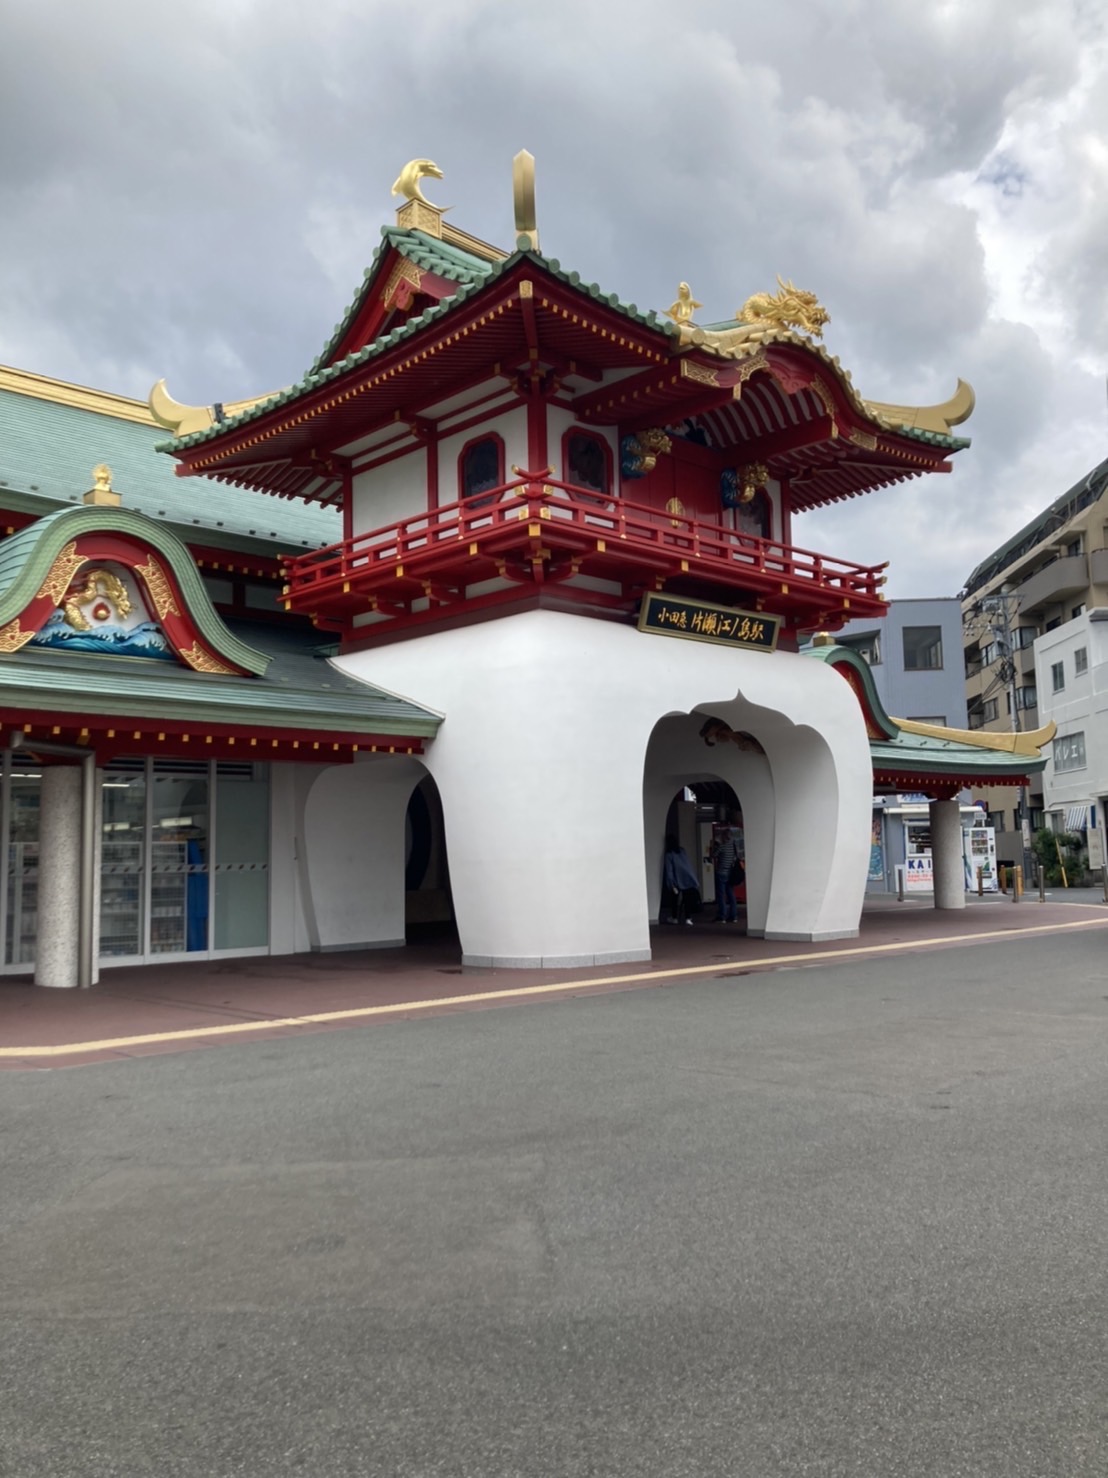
(1047, 844)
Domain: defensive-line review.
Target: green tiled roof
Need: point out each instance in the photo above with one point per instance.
(425, 251)
(317, 376)
(922, 754)
(26, 558)
(933, 438)
(918, 754)
(300, 690)
(48, 451)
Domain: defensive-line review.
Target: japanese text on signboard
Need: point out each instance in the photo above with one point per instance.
(700, 622)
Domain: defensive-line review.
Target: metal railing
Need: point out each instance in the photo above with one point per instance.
(578, 518)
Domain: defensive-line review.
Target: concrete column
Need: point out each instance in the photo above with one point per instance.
(59, 876)
(946, 855)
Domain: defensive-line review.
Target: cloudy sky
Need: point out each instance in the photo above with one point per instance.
(194, 190)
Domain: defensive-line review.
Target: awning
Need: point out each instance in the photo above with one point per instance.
(1077, 818)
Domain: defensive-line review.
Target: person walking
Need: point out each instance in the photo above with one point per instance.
(679, 883)
(723, 856)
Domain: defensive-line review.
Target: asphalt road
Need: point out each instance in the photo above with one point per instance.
(847, 1221)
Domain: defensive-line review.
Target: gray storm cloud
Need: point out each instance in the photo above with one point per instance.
(194, 192)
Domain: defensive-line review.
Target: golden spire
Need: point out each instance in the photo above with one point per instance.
(102, 493)
(684, 306)
(523, 196)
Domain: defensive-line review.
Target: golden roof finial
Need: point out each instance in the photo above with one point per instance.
(418, 213)
(523, 196)
(102, 492)
(684, 306)
(407, 181)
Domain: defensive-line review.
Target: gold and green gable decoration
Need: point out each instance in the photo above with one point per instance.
(909, 756)
(103, 581)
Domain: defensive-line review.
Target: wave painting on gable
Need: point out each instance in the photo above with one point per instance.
(103, 611)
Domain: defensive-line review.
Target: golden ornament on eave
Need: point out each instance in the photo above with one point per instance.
(684, 305)
(792, 307)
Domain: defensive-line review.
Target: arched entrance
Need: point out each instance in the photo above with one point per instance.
(374, 870)
(559, 741)
(681, 754)
(428, 902)
(696, 815)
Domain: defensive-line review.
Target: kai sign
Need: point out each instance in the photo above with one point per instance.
(918, 873)
(722, 625)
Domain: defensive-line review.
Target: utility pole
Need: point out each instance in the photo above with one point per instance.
(1005, 603)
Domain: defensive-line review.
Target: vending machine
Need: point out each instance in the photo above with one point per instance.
(979, 853)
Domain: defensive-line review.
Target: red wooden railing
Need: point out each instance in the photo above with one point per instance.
(576, 518)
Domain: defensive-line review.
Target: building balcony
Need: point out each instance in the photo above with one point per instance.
(1062, 578)
(1098, 567)
(572, 548)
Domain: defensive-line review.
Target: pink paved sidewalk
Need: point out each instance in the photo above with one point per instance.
(151, 1000)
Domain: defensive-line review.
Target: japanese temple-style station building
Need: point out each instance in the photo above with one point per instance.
(441, 631)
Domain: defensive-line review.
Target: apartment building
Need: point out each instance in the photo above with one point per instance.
(1047, 575)
(915, 654)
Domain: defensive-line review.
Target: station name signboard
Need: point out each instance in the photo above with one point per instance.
(722, 625)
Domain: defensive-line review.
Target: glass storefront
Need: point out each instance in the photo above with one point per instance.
(184, 860)
(19, 894)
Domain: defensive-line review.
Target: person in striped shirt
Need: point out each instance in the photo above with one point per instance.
(723, 856)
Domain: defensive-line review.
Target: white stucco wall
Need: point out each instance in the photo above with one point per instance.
(386, 494)
(541, 766)
(292, 927)
(511, 425)
(353, 836)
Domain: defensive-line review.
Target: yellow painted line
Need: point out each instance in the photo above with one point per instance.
(523, 992)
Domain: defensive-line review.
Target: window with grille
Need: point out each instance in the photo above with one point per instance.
(923, 648)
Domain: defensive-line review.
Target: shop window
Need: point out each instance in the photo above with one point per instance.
(1080, 661)
(587, 459)
(481, 467)
(923, 648)
(1057, 676)
(1069, 752)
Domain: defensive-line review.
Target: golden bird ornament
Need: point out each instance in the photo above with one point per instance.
(684, 306)
(408, 180)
